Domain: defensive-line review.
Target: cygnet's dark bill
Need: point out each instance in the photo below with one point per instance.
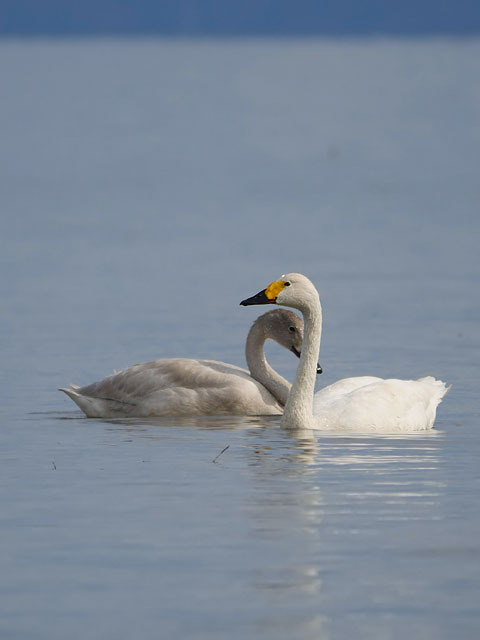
(298, 354)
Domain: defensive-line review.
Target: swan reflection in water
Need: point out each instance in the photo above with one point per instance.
(288, 510)
(319, 500)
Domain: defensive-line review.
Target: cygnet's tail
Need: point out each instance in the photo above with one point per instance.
(86, 404)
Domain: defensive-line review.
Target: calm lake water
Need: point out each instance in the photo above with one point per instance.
(146, 188)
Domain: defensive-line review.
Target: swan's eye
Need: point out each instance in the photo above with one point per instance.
(287, 284)
(292, 329)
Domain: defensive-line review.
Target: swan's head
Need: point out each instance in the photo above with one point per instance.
(291, 290)
(285, 327)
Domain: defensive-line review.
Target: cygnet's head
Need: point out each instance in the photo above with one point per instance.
(283, 326)
(291, 290)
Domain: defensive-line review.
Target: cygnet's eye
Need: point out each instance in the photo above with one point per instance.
(292, 329)
(287, 284)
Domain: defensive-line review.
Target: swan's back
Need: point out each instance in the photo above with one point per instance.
(373, 404)
(340, 388)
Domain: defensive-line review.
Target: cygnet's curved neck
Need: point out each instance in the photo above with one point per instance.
(298, 412)
(259, 367)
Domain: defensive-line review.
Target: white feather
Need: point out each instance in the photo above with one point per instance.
(356, 404)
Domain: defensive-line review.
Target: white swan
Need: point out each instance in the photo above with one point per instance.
(185, 387)
(355, 404)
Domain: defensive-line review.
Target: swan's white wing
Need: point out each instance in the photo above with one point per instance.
(381, 405)
(340, 388)
(176, 387)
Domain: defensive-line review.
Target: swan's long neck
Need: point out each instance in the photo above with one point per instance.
(259, 367)
(298, 412)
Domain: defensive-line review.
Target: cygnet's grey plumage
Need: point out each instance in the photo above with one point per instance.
(184, 386)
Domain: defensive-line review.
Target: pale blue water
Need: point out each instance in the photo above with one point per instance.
(146, 188)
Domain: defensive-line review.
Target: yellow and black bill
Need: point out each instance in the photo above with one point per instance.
(267, 296)
(259, 298)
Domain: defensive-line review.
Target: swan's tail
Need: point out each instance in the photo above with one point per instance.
(436, 390)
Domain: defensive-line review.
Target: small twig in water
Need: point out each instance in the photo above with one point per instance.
(222, 451)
